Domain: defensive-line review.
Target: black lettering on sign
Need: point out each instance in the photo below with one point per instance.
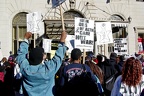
(89, 29)
(90, 42)
(77, 30)
(115, 48)
(81, 24)
(81, 20)
(84, 33)
(78, 37)
(81, 28)
(87, 21)
(85, 25)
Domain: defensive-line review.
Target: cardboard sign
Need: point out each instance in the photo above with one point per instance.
(104, 33)
(47, 45)
(120, 46)
(34, 23)
(84, 33)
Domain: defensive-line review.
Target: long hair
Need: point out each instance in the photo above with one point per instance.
(4, 59)
(96, 70)
(132, 72)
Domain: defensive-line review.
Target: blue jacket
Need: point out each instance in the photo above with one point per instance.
(39, 80)
(71, 70)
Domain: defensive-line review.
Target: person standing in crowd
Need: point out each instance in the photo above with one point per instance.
(11, 60)
(113, 58)
(4, 59)
(75, 69)
(107, 66)
(131, 82)
(96, 70)
(6, 80)
(38, 78)
(120, 63)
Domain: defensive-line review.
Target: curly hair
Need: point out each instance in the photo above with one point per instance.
(96, 70)
(132, 72)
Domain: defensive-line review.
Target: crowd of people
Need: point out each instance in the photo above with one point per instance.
(29, 73)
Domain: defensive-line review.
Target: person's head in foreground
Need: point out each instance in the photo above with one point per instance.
(132, 72)
(76, 55)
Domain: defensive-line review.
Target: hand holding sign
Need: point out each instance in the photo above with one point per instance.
(28, 35)
(63, 36)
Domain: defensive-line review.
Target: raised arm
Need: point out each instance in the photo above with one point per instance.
(56, 61)
(23, 49)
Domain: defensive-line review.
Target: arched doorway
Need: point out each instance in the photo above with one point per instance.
(119, 29)
(19, 29)
(54, 27)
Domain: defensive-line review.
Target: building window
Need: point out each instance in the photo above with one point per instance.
(71, 14)
(19, 29)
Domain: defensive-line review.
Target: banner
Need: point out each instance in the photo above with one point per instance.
(104, 33)
(70, 42)
(47, 45)
(56, 3)
(120, 46)
(84, 34)
(34, 23)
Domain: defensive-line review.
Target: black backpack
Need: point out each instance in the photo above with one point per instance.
(109, 82)
(81, 85)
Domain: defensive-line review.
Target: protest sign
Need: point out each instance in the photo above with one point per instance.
(120, 46)
(47, 45)
(34, 23)
(104, 33)
(84, 34)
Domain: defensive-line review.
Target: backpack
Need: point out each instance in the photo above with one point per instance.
(81, 85)
(109, 82)
(132, 91)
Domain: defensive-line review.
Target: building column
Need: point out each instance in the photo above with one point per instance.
(131, 39)
(106, 53)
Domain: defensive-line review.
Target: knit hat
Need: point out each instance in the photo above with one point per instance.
(113, 55)
(36, 56)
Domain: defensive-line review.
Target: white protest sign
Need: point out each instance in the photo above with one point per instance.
(70, 42)
(104, 33)
(84, 34)
(34, 23)
(47, 45)
(120, 46)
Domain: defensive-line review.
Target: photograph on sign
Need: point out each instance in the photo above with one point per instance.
(104, 33)
(34, 23)
(47, 45)
(84, 33)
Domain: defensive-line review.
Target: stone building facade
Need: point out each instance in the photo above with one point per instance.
(126, 17)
